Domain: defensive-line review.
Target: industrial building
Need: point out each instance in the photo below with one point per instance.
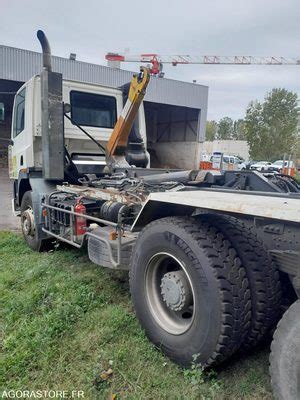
(178, 108)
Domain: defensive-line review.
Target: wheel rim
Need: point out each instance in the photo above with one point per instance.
(27, 222)
(170, 293)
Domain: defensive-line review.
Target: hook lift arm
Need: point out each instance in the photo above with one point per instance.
(117, 144)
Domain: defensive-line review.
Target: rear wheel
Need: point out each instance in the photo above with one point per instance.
(262, 275)
(189, 291)
(285, 356)
(28, 225)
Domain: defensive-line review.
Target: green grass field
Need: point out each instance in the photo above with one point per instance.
(64, 321)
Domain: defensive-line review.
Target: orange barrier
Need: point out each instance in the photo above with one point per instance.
(205, 165)
(289, 171)
(208, 165)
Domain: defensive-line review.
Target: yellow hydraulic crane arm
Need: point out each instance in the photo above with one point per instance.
(117, 144)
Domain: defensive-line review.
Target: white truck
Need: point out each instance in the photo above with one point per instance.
(210, 255)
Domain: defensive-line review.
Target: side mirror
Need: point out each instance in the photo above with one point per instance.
(67, 108)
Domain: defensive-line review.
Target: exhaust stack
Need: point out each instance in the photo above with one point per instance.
(45, 49)
(51, 116)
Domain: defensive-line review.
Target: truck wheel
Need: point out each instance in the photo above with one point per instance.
(28, 225)
(285, 356)
(189, 291)
(262, 275)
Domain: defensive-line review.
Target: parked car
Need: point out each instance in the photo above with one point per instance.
(261, 166)
(228, 162)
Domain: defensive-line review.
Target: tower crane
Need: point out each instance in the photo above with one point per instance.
(157, 61)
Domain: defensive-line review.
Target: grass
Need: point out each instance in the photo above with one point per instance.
(65, 323)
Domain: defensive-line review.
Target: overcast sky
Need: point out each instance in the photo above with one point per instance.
(91, 28)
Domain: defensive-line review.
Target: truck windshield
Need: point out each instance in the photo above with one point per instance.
(89, 109)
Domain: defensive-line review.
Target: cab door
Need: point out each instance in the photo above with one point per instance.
(17, 152)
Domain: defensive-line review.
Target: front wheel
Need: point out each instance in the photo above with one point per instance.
(285, 356)
(189, 291)
(28, 225)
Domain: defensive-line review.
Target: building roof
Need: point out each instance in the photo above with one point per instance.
(20, 65)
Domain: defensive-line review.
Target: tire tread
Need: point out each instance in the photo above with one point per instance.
(262, 274)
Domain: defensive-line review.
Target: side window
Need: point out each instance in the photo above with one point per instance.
(2, 112)
(89, 109)
(226, 159)
(19, 113)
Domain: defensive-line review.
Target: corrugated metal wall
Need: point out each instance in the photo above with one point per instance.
(21, 65)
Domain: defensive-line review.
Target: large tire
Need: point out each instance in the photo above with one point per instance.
(219, 318)
(28, 225)
(261, 272)
(285, 356)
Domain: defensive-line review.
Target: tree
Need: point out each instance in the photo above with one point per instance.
(211, 130)
(271, 126)
(239, 130)
(225, 130)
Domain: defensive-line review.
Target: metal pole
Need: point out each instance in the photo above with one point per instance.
(288, 166)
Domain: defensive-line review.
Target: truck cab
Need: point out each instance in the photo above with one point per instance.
(93, 107)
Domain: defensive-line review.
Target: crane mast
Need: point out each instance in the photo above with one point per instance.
(156, 61)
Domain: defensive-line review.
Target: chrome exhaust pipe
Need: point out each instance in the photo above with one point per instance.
(45, 49)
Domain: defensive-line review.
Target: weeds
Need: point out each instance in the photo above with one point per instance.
(197, 377)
